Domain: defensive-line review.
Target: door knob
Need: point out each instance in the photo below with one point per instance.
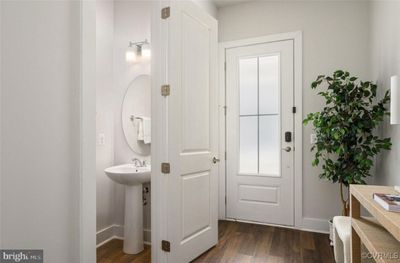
(287, 149)
(215, 160)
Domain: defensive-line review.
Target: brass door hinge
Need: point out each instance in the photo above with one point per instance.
(165, 12)
(165, 245)
(165, 90)
(165, 168)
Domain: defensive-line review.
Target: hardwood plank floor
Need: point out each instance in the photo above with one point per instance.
(242, 243)
(111, 252)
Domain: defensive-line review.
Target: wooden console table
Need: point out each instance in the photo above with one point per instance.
(381, 236)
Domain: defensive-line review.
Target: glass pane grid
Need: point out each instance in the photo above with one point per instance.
(259, 116)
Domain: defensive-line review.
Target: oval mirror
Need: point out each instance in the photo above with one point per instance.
(136, 109)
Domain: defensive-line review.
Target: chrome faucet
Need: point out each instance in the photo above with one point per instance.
(137, 162)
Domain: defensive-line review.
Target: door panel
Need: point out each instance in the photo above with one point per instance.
(192, 113)
(195, 77)
(259, 97)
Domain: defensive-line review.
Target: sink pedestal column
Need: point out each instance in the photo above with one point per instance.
(133, 228)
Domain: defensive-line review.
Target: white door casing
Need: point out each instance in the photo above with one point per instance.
(260, 183)
(192, 132)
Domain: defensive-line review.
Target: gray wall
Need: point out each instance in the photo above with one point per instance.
(335, 36)
(385, 62)
(40, 61)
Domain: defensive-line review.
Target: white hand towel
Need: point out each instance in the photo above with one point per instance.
(140, 130)
(146, 130)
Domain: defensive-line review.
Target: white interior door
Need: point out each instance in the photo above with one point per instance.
(192, 130)
(259, 97)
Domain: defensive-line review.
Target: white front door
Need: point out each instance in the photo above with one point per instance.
(259, 132)
(192, 132)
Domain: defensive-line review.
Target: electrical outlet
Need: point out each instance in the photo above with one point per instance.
(101, 139)
(313, 138)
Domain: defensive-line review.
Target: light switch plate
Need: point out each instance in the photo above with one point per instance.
(101, 139)
(313, 138)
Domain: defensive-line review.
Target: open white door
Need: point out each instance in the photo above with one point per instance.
(191, 132)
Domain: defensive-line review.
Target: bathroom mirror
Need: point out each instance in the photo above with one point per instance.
(136, 109)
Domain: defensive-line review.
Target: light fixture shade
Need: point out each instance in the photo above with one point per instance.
(130, 56)
(394, 100)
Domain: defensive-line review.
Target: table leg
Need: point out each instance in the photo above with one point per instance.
(355, 239)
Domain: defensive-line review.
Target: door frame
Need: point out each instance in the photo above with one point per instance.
(298, 118)
(87, 133)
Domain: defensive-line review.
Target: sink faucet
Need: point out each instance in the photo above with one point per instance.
(137, 162)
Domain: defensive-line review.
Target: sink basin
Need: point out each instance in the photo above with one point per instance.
(129, 174)
(132, 177)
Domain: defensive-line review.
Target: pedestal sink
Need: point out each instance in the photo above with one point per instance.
(132, 177)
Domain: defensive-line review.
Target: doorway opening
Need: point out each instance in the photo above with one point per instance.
(123, 129)
(183, 142)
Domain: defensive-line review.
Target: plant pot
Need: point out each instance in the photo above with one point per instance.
(331, 231)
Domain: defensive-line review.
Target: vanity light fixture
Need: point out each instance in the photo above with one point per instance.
(138, 51)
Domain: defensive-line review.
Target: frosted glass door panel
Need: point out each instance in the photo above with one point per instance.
(269, 85)
(269, 146)
(259, 86)
(248, 145)
(248, 83)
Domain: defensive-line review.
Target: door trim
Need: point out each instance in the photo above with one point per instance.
(298, 118)
(86, 97)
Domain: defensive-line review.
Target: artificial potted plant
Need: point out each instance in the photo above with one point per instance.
(346, 143)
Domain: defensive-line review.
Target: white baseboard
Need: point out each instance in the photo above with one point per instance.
(147, 236)
(315, 225)
(117, 232)
(309, 224)
(105, 235)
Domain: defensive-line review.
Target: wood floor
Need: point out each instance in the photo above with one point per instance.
(244, 243)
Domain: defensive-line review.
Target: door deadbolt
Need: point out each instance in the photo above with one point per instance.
(288, 136)
(215, 160)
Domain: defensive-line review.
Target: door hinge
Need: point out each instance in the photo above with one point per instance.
(225, 155)
(225, 110)
(165, 90)
(225, 66)
(225, 200)
(165, 168)
(166, 246)
(165, 12)
(294, 109)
